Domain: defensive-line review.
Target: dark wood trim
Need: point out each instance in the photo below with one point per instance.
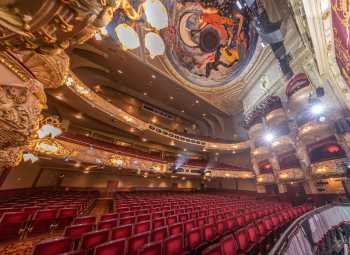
(5, 172)
(37, 177)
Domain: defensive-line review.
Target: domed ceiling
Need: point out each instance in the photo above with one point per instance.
(208, 42)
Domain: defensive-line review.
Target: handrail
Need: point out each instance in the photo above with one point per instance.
(282, 244)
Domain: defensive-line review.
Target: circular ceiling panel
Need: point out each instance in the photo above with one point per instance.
(209, 42)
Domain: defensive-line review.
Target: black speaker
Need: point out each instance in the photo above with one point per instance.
(320, 92)
(342, 126)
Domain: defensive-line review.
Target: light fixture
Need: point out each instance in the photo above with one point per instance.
(120, 71)
(145, 94)
(154, 44)
(317, 108)
(171, 98)
(322, 119)
(98, 37)
(77, 164)
(127, 36)
(182, 111)
(204, 149)
(239, 5)
(185, 149)
(86, 172)
(197, 102)
(269, 137)
(153, 76)
(172, 143)
(78, 116)
(144, 139)
(132, 130)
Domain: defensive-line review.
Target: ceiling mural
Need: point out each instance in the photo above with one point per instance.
(203, 44)
(208, 42)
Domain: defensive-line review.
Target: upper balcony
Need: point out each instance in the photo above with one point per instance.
(297, 91)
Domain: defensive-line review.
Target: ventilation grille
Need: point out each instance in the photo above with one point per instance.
(158, 112)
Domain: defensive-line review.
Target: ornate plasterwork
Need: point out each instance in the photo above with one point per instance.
(51, 26)
(290, 174)
(328, 168)
(50, 70)
(48, 146)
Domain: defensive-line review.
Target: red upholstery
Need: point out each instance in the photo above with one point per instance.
(220, 227)
(151, 249)
(75, 253)
(176, 229)
(189, 225)
(143, 217)
(31, 210)
(194, 238)
(109, 216)
(209, 232)
(43, 220)
(174, 245)
(112, 247)
(53, 247)
(157, 223)
(229, 245)
(121, 232)
(76, 231)
(136, 242)
(11, 223)
(159, 234)
(241, 220)
(142, 227)
(66, 216)
(231, 223)
(243, 240)
(85, 220)
(200, 221)
(172, 220)
(127, 220)
(108, 224)
(92, 239)
(213, 250)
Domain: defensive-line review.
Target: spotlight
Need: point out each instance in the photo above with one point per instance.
(317, 108)
(269, 137)
(239, 5)
(322, 119)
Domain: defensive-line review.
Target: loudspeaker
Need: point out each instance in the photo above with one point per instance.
(320, 92)
(342, 126)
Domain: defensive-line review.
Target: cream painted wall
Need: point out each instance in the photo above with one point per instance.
(22, 176)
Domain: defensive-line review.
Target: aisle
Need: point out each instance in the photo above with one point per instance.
(102, 206)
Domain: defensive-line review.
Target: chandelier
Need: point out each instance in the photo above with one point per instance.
(156, 16)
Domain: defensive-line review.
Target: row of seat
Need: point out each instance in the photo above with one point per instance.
(195, 236)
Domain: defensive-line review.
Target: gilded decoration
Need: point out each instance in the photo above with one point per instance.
(11, 157)
(341, 28)
(50, 26)
(50, 70)
(49, 146)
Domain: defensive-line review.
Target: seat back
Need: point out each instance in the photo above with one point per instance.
(189, 225)
(135, 242)
(109, 216)
(92, 239)
(127, 220)
(213, 250)
(242, 239)
(170, 220)
(143, 217)
(57, 246)
(159, 234)
(76, 231)
(209, 232)
(174, 245)
(84, 220)
(112, 247)
(229, 245)
(108, 224)
(194, 238)
(142, 227)
(176, 229)
(157, 223)
(220, 227)
(155, 248)
(253, 233)
(124, 231)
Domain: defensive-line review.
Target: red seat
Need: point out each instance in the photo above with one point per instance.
(75, 253)
(201, 221)
(241, 221)
(194, 238)
(211, 219)
(156, 215)
(43, 220)
(220, 227)
(159, 234)
(121, 232)
(213, 250)
(76, 231)
(157, 223)
(108, 224)
(31, 210)
(136, 242)
(84, 220)
(11, 223)
(65, 217)
(209, 232)
(189, 225)
(171, 220)
(142, 227)
(229, 245)
(111, 248)
(174, 245)
(268, 224)
(92, 239)
(183, 217)
(53, 247)
(243, 241)
(143, 217)
(176, 229)
(127, 220)
(151, 249)
(231, 224)
(109, 216)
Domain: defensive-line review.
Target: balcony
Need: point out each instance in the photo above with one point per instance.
(328, 168)
(291, 174)
(298, 90)
(265, 178)
(312, 130)
(282, 144)
(275, 116)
